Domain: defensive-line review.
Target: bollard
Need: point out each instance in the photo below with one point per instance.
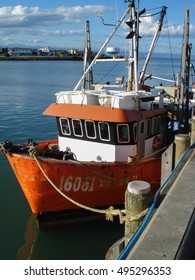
(193, 130)
(182, 141)
(138, 198)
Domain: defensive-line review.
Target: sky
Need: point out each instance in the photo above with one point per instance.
(60, 24)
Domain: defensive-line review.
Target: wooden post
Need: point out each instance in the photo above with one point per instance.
(193, 130)
(182, 141)
(138, 198)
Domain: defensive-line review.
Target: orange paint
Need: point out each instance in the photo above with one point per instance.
(92, 184)
(98, 113)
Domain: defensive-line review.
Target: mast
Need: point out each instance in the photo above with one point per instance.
(133, 23)
(185, 73)
(101, 49)
(135, 45)
(87, 58)
(154, 41)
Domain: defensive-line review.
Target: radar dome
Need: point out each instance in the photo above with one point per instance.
(112, 51)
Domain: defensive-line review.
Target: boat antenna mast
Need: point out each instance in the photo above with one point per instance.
(101, 49)
(133, 23)
(153, 44)
(133, 35)
(87, 58)
(185, 74)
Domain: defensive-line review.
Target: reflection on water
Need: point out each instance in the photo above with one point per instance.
(31, 235)
(81, 240)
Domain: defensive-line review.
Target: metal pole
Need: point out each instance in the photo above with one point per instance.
(154, 41)
(101, 49)
(184, 89)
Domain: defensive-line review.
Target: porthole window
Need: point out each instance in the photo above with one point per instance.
(123, 135)
(90, 129)
(104, 131)
(77, 127)
(65, 126)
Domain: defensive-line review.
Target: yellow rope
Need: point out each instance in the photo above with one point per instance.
(2, 148)
(109, 212)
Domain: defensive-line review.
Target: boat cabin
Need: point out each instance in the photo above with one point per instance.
(105, 125)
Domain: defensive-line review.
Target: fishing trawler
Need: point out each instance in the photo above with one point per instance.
(108, 135)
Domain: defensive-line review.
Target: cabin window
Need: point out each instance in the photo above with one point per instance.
(123, 135)
(135, 132)
(77, 127)
(65, 126)
(90, 129)
(154, 125)
(158, 123)
(104, 131)
(142, 127)
(148, 127)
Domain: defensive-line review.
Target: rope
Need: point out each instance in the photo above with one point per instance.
(3, 150)
(108, 177)
(156, 152)
(109, 212)
(130, 218)
(91, 170)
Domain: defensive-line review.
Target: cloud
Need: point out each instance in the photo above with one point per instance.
(20, 22)
(21, 25)
(147, 28)
(34, 23)
(20, 16)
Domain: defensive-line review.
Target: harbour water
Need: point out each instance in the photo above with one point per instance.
(26, 89)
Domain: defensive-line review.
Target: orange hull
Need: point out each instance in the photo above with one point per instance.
(91, 184)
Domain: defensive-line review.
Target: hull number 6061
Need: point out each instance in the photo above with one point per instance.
(75, 184)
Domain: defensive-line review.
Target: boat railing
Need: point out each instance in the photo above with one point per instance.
(114, 59)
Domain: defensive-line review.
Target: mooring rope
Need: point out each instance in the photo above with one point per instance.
(2, 148)
(109, 212)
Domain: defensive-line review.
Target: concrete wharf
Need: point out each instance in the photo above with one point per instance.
(170, 234)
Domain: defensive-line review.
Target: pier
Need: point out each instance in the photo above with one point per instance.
(170, 232)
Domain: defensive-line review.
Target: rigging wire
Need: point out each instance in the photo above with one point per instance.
(181, 54)
(152, 9)
(117, 16)
(169, 40)
(106, 74)
(100, 15)
(192, 70)
(150, 15)
(170, 47)
(152, 24)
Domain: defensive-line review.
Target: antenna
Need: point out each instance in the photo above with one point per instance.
(117, 17)
(100, 14)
